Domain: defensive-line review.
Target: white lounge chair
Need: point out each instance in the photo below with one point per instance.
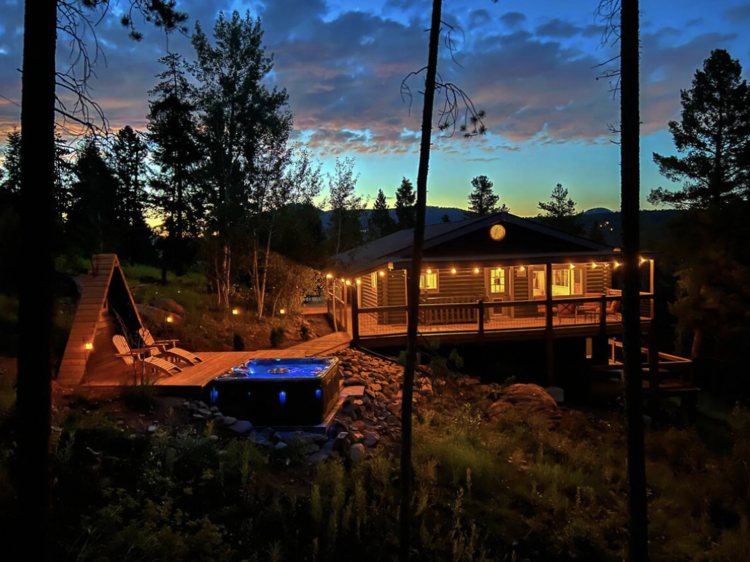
(168, 347)
(131, 356)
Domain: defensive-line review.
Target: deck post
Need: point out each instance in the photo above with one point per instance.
(355, 315)
(480, 317)
(549, 342)
(654, 373)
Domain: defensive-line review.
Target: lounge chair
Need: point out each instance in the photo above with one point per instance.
(168, 347)
(130, 356)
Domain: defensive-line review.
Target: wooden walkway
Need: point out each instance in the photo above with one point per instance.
(323, 346)
(195, 377)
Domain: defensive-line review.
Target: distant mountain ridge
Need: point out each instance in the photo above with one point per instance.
(433, 215)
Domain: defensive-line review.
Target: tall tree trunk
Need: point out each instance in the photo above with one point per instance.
(35, 273)
(630, 194)
(413, 296)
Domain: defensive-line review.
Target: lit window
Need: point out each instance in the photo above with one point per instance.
(567, 282)
(428, 281)
(374, 279)
(497, 280)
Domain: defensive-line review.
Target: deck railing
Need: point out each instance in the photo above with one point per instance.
(482, 317)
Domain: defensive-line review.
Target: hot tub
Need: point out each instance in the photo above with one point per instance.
(279, 392)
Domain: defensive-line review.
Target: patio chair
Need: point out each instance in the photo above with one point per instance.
(130, 356)
(168, 347)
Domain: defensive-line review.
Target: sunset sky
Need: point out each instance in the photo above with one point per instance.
(529, 65)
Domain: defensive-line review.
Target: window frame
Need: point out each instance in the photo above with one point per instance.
(423, 279)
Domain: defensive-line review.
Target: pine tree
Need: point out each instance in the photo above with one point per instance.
(173, 133)
(129, 164)
(445, 218)
(714, 136)
(97, 219)
(10, 183)
(560, 211)
(483, 201)
(405, 199)
(380, 223)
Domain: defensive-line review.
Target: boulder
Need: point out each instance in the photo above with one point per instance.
(241, 426)
(170, 305)
(357, 451)
(526, 399)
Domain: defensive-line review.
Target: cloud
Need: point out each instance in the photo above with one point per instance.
(558, 28)
(513, 19)
(738, 14)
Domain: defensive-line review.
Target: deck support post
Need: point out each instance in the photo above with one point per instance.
(480, 318)
(355, 316)
(654, 373)
(549, 342)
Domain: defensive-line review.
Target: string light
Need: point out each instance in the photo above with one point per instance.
(617, 264)
(643, 260)
(381, 273)
(476, 270)
(429, 271)
(329, 276)
(169, 319)
(359, 281)
(593, 265)
(348, 282)
(572, 266)
(453, 270)
(235, 311)
(89, 346)
(282, 311)
(522, 268)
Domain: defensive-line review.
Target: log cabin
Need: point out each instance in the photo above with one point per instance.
(498, 277)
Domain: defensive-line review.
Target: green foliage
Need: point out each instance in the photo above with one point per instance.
(277, 336)
(379, 222)
(139, 398)
(560, 212)
(406, 197)
(482, 200)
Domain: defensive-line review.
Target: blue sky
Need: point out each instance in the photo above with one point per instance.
(528, 64)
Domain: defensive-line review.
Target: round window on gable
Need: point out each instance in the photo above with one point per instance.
(497, 232)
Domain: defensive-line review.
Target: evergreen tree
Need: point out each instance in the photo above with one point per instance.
(405, 199)
(10, 183)
(129, 164)
(346, 207)
(380, 223)
(445, 218)
(96, 220)
(713, 136)
(483, 201)
(560, 212)
(174, 135)
(707, 241)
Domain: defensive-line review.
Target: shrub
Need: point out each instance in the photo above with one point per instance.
(277, 336)
(304, 330)
(238, 343)
(139, 398)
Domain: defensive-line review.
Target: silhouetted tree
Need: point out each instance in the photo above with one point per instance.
(455, 106)
(714, 136)
(97, 219)
(242, 121)
(43, 22)
(10, 182)
(174, 136)
(405, 198)
(560, 211)
(130, 166)
(380, 222)
(622, 25)
(445, 218)
(482, 200)
(346, 206)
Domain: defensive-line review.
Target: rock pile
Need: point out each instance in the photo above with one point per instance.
(369, 416)
(526, 399)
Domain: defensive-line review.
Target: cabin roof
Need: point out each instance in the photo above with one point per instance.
(397, 247)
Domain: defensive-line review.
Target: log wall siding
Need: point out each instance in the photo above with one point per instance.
(368, 293)
(464, 283)
(394, 292)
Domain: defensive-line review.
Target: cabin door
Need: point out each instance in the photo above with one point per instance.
(497, 285)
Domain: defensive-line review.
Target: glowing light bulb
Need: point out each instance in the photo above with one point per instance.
(282, 311)
(643, 260)
(572, 266)
(235, 311)
(329, 276)
(359, 281)
(169, 319)
(453, 270)
(348, 282)
(429, 271)
(381, 273)
(476, 270)
(593, 265)
(617, 264)
(522, 268)
(89, 346)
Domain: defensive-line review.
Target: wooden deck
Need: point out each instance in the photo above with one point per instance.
(114, 372)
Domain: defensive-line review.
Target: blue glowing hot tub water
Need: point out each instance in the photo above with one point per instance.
(285, 391)
(275, 369)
